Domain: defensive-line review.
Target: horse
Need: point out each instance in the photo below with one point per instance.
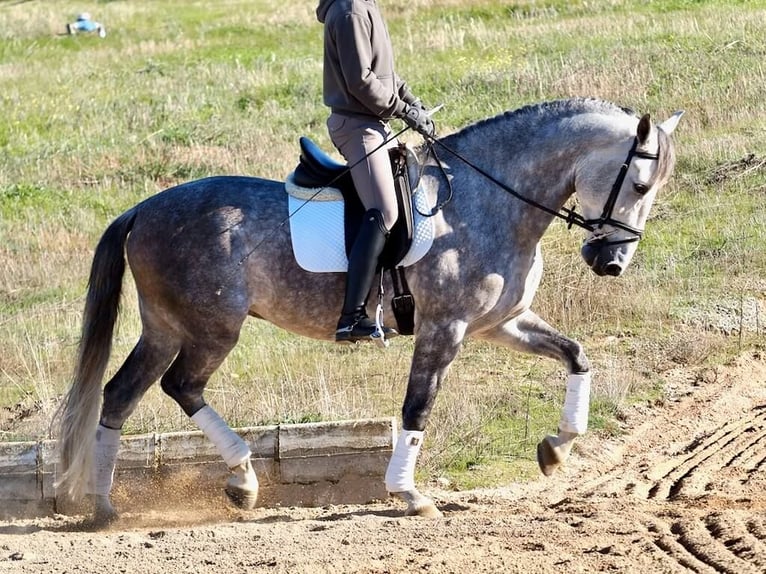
(209, 253)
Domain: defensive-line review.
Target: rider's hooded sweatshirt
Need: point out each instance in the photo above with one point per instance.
(359, 77)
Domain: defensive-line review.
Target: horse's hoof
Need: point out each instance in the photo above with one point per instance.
(242, 486)
(104, 514)
(417, 504)
(428, 510)
(554, 450)
(244, 499)
(104, 519)
(547, 458)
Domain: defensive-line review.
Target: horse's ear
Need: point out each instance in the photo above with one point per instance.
(644, 129)
(670, 124)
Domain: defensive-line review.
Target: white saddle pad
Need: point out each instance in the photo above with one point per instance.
(318, 233)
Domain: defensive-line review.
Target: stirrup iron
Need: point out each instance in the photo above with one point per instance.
(379, 336)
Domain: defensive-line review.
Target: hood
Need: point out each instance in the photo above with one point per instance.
(324, 6)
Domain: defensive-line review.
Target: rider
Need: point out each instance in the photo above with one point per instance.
(363, 93)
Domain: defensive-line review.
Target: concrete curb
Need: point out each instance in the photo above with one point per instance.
(311, 464)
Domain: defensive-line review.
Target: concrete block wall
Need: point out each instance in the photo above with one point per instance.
(311, 464)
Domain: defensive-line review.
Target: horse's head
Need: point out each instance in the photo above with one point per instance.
(616, 190)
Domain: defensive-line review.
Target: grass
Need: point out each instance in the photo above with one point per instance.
(179, 91)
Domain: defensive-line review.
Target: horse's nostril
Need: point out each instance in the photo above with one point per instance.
(613, 269)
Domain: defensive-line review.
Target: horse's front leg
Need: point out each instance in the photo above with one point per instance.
(435, 348)
(530, 334)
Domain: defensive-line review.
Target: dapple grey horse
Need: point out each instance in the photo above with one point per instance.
(207, 254)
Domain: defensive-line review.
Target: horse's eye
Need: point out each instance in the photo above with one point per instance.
(640, 188)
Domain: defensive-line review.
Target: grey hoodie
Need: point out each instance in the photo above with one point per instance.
(359, 77)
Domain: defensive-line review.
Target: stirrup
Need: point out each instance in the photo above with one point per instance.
(364, 329)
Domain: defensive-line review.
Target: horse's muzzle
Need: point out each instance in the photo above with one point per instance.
(604, 259)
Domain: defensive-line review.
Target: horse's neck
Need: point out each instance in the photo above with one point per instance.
(533, 170)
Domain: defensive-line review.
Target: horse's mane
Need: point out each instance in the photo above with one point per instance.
(540, 112)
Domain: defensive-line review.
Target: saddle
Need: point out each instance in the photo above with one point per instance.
(317, 170)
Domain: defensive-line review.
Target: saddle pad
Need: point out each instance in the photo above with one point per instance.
(318, 236)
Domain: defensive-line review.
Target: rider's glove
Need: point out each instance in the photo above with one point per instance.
(416, 116)
(416, 103)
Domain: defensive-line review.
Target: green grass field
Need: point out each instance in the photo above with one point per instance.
(180, 90)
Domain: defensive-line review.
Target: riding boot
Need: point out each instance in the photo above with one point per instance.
(354, 324)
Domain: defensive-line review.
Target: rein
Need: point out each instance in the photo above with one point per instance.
(570, 216)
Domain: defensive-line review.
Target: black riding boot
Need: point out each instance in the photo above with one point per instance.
(354, 324)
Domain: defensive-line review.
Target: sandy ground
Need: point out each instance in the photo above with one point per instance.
(683, 490)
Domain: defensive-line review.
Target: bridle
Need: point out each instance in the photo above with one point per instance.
(570, 216)
(606, 215)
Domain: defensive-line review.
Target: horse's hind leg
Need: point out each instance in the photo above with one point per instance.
(185, 382)
(530, 334)
(435, 348)
(146, 362)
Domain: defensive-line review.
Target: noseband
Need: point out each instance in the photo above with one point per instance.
(606, 215)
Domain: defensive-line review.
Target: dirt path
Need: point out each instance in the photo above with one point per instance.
(684, 490)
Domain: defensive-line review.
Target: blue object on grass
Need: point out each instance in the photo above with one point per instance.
(85, 24)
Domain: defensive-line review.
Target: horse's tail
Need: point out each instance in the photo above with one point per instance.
(80, 409)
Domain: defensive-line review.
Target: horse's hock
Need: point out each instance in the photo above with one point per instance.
(311, 464)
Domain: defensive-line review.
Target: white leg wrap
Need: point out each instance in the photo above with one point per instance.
(400, 475)
(574, 416)
(104, 460)
(231, 446)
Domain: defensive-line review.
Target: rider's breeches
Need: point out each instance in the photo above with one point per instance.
(355, 137)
